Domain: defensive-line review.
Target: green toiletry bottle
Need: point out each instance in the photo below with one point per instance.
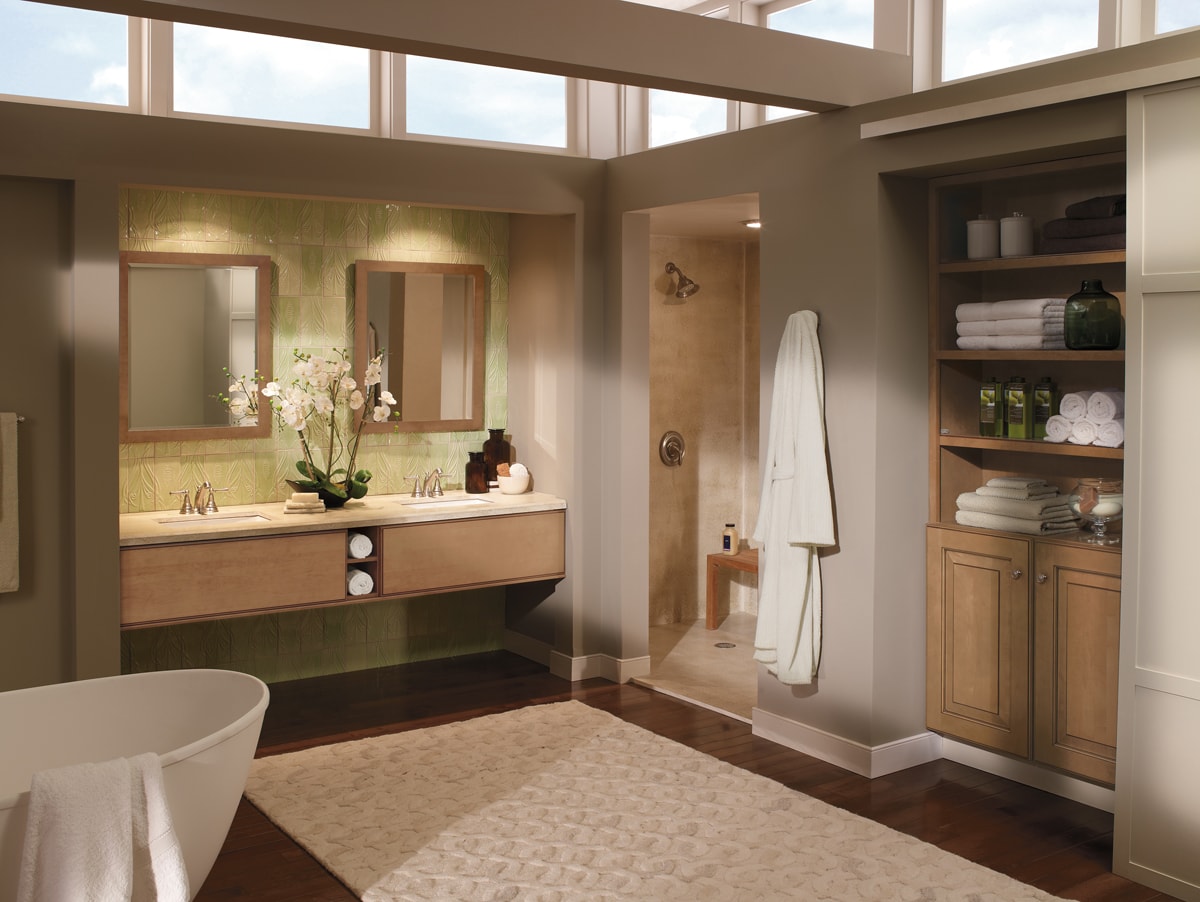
(991, 408)
(1018, 408)
(1045, 400)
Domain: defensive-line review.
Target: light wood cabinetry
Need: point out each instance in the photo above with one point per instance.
(1021, 664)
(462, 554)
(185, 581)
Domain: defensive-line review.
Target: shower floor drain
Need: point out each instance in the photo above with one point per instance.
(725, 644)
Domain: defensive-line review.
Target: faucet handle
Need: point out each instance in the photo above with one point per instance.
(186, 507)
(418, 490)
(210, 506)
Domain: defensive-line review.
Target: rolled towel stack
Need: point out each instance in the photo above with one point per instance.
(1023, 504)
(359, 582)
(1096, 224)
(1022, 324)
(359, 545)
(304, 503)
(1089, 418)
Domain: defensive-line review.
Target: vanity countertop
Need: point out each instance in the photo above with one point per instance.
(234, 521)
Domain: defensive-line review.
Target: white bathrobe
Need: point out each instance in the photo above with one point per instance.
(796, 512)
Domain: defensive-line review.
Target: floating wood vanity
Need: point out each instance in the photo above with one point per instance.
(255, 559)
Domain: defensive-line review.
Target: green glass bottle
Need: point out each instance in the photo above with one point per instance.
(1092, 319)
(1018, 408)
(991, 408)
(1045, 400)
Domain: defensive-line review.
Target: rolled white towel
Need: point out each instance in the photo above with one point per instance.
(359, 545)
(1058, 428)
(1083, 432)
(1111, 434)
(1074, 405)
(1106, 405)
(359, 582)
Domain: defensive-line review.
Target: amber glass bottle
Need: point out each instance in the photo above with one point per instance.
(496, 451)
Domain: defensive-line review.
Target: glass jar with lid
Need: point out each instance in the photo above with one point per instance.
(1098, 502)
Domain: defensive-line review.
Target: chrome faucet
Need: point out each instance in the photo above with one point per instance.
(435, 490)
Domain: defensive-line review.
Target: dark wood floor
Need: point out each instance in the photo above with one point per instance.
(1060, 846)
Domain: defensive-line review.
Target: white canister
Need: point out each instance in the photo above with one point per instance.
(983, 238)
(1016, 236)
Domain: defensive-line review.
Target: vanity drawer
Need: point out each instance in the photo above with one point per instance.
(461, 554)
(204, 580)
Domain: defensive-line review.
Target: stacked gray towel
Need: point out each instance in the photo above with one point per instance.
(1023, 504)
(1022, 323)
(1096, 224)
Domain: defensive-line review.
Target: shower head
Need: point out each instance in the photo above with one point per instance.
(686, 287)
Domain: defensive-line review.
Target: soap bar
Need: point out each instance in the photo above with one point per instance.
(305, 497)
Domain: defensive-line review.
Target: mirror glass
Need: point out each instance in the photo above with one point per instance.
(428, 320)
(187, 319)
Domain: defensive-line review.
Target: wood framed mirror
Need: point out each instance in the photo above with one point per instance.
(185, 319)
(428, 319)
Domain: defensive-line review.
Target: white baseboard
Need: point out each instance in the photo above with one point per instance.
(867, 761)
(1030, 774)
(527, 647)
(586, 667)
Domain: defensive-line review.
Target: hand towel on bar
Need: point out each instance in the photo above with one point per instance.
(1019, 308)
(1106, 405)
(1083, 432)
(1016, 524)
(101, 831)
(1058, 428)
(796, 509)
(1074, 405)
(1049, 507)
(991, 491)
(359, 582)
(359, 545)
(10, 532)
(1111, 434)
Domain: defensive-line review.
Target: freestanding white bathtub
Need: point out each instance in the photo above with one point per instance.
(204, 724)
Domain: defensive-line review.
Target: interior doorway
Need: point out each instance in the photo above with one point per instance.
(703, 373)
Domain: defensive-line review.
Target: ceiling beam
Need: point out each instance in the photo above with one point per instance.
(601, 40)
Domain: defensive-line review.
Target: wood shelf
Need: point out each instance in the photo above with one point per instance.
(1033, 356)
(1035, 261)
(1030, 446)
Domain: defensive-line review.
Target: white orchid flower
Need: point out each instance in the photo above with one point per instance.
(348, 384)
(386, 397)
(373, 374)
(322, 404)
(238, 406)
(292, 416)
(356, 400)
(381, 413)
(271, 390)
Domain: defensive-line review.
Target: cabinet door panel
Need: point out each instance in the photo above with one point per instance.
(1076, 641)
(978, 638)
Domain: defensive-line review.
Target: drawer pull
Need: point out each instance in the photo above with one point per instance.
(1016, 574)
(1041, 577)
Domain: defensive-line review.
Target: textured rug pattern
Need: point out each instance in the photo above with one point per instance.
(565, 802)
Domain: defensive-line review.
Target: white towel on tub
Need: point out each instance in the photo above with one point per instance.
(97, 832)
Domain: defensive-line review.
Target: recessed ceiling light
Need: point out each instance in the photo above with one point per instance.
(752, 223)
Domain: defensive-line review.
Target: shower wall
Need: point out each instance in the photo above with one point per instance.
(703, 385)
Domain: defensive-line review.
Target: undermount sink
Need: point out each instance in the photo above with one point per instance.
(218, 517)
(439, 503)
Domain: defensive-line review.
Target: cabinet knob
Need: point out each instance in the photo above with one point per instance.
(1041, 577)
(1016, 574)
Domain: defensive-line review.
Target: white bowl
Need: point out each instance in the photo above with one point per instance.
(513, 485)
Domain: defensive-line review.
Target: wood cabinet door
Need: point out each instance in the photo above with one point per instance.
(977, 641)
(1077, 623)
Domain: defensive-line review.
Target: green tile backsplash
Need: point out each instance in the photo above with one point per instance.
(312, 244)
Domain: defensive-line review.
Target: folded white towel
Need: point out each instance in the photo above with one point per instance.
(1014, 309)
(101, 831)
(1035, 492)
(1058, 428)
(1015, 482)
(1049, 507)
(359, 582)
(359, 544)
(1073, 405)
(1031, 325)
(303, 506)
(1111, 434)
(1106, 405)
(1003, 342)
(1083, 432)
(1015, 524)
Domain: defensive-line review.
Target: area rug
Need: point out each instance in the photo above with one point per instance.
(565, 802)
